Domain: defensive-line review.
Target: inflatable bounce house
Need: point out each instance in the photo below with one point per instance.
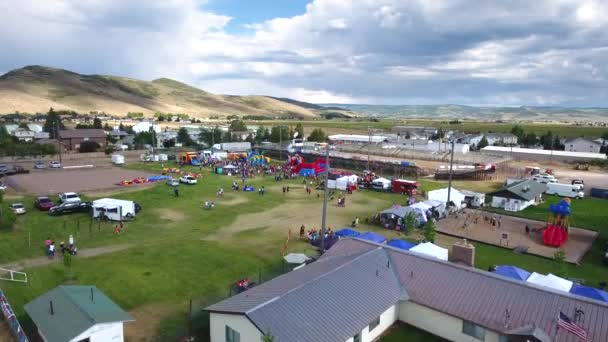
(302, 168)
(257, 159)
(556, 233)
(188, 158)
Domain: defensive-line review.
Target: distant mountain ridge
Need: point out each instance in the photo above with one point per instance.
(451, 111)
(36, 88)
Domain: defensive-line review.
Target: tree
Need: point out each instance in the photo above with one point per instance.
(169, 143)
(518, 131)
(97, 123)
(88, 146)
(300, 130)
(546, 140)
(267, 337)
(210, 136)
(183, 137)
(410, 222)
(605, 136)
(53, 124)
(429, 231)
(237, 126)
(530, 139)
(317, 135)
(279, 133)
(483, 143)
(107, 127)
(121, 127)
(143, 138)
(262, 134)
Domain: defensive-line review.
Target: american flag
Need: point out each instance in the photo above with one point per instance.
(566, 323)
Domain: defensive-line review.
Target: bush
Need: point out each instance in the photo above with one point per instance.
(88, 146)
(7, 217)
(109, 149)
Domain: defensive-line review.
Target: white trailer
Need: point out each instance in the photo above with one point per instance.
(114, 209)
(565, 190)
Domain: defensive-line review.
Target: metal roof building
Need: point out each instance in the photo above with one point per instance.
(538, 154)
(339, 295)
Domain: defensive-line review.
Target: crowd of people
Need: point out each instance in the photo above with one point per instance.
(51, 249)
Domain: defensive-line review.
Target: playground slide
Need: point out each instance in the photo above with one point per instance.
(195, 161)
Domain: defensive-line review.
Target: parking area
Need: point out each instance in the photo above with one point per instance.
(49, 181)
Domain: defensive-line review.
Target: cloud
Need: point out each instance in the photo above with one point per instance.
(381, 51)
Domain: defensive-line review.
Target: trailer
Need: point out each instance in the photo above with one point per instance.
(114, 209)
(118, 159)
(404, 186)
(565, 190)
(381, 184)
(233, 146)
(599, 193)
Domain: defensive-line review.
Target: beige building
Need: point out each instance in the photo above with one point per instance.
(359, 289)
(582, 145)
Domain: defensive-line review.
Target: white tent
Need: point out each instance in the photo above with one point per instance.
(430, 249)
(442, 195)
(342, 183)
(296, 258)
(422, 208)
(550, 281)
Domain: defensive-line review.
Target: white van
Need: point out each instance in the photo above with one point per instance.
(565, 190)
(544, 178)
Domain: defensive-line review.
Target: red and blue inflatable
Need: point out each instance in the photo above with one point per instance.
(302, 168)
(556, 233)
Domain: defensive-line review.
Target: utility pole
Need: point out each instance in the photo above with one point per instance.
(325, 194)
(369, 143)
(280, 143)
(59, 144)
(450, 174)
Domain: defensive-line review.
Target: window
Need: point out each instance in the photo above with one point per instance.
(232, 335)
(473, 330)
(374, 324)
(357, 338)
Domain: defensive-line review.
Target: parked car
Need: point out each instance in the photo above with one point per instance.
(137, 207)
(18, 208)
(55, 164)
(187, 180)
(544, 178)
(2, 186)
(40, 165)
(70, 207)
(579, 182)
(3, 168)
(17, 170)
(69, 197)
(172, 182)
(43, 203)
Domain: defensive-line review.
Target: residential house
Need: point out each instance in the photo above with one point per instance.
(144, 126)
(501, 139)
(582, 145)
(470, 139)
(518, 196)
(34, 127)
(41, 135)
(10, 128)
(77, 314)
(358, 289)
(415, 131)
(71, 139)
(24, 134)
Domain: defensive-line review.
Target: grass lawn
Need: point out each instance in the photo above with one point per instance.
(179, 251)
(405, 332)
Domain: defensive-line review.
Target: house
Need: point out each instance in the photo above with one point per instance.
(415, 131)
(10, 128)
(470, 139)
(355, 139)
(145, 126)
(71, 139)
(76, 314)
(34, 127)
(582, 145)
(24, 134)
(501, 138)
(41, 135)
(358, 289)
(519, 195)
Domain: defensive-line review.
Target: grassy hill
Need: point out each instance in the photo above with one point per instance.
(37, 88)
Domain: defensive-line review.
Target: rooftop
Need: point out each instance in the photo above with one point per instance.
(355, 280)
(75, 309)
(82, 133)
(543, 152)
(525, 190)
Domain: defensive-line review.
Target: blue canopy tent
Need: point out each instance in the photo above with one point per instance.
(371, 236)
(590, 292)
(401, 244)
(347, 232)
(512, 272)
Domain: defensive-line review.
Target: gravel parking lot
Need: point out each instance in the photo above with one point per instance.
(50, 182)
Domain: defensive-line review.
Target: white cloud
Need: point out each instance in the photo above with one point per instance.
(535, 52)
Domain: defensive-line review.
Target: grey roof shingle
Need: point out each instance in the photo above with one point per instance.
(318, 304)
(74, 311)
(82, 133)
(338, 287)
(525, 190)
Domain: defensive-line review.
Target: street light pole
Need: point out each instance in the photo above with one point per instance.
(450, 174)
(325, 194)
(369, 134)
(280, 143)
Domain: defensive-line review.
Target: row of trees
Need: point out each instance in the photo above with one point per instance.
(10, 146)
(548, 141)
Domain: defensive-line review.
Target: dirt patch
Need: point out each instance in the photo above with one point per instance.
(44, 182)
(231, 200)
(171, 214)
(147, 321)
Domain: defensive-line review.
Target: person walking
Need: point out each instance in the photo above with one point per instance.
(175, 191)
(71, 240)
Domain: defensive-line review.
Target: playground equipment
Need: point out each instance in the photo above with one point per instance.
(257, 159)
(302, 168)
(558, 221)
(189, 158)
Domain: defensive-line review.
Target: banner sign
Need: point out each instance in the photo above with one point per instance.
(10, 317)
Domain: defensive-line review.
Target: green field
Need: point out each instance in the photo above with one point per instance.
(404, 332)
(177, 251)
(563, 130)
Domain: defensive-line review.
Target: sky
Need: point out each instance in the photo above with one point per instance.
(511, 52)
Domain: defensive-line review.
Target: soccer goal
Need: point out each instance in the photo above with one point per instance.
(11, 275)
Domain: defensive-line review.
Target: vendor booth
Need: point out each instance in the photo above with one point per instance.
(381, 184)
(456, 197)
(393, 218)
(432, 250)
(371, 236)
(401, 244)
(551, 281)
(347, 232)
